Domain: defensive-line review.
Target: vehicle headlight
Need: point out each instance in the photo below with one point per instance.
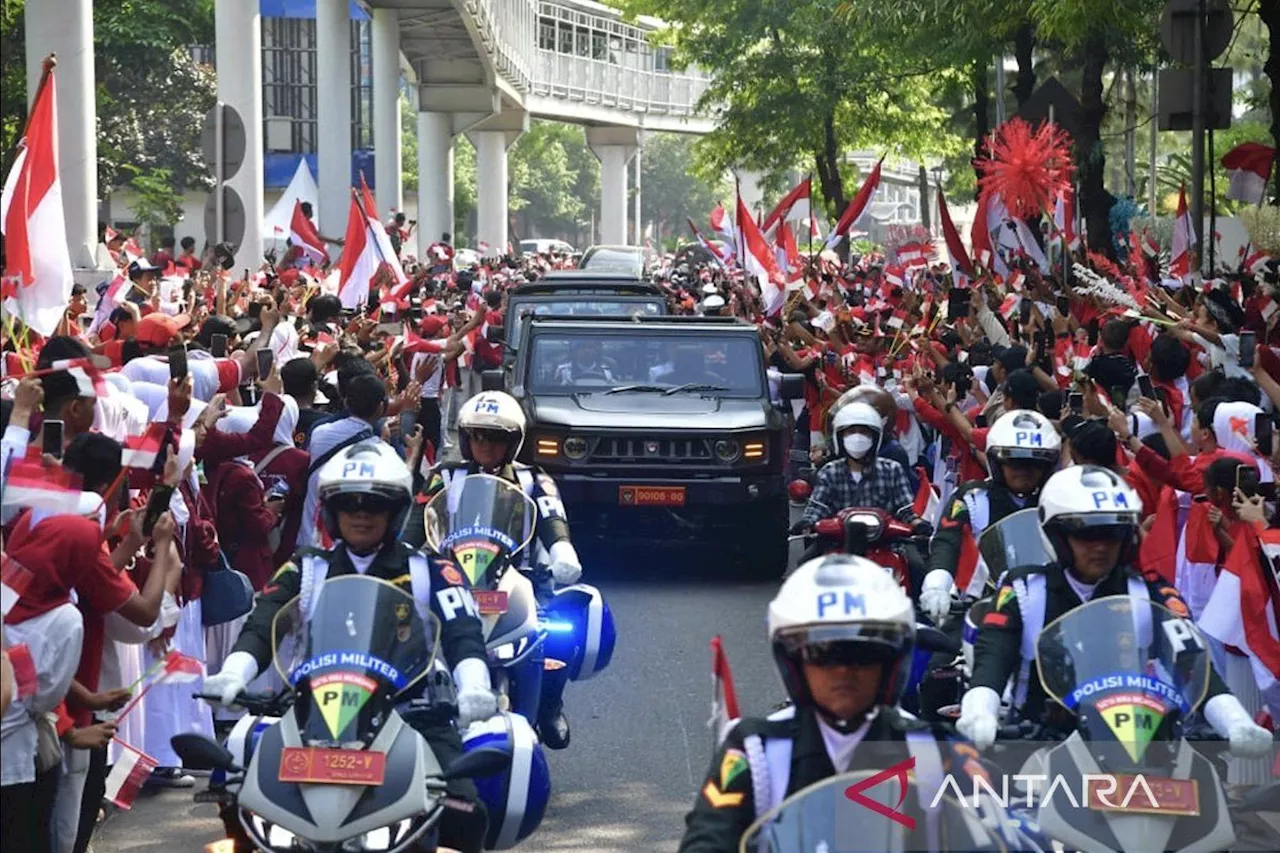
(727, 450)
(575, 448)
(268, 836)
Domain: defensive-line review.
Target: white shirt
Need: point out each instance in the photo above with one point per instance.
(1084, 590)
(54, 640)
(840, 746)
(155, 369)
(430, 385)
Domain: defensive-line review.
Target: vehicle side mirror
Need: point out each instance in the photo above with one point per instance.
(495, 334)
(486, 761)
(491, 380)
(792, 386)
(201, 753)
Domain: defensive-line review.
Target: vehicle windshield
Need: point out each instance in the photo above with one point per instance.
(591, 306)
(1014, 542)
(628, 260)
(480, 522)
(1152, 662)
(573, 362)
(351, 645)
(823, 817)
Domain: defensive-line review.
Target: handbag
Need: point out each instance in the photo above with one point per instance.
(227, 594)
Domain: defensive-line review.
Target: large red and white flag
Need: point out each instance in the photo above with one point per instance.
(961, 266)
(857, 208)
(140, 451)
(31, 483)
(724, 698)
(37, 276)
(382, 241)
(789, 256)
(359, 261)
(14, 580)
(128, 775)
(712, 248)
(1064, 219)
(1241, 612)
(722, 227)
(1250, 166)
(1184, 238)
(758, 260)
(782, 211)
(303, 234)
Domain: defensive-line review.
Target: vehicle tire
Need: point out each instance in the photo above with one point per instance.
(765, 549)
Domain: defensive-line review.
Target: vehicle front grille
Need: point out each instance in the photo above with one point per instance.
(651, 451)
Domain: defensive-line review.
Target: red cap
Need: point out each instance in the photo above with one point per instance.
(160, 329)
(432, 324)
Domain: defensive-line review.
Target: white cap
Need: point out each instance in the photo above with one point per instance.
(710, 289)
(712, 302)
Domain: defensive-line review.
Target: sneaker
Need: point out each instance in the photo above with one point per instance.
(171, 777)
(555, 731)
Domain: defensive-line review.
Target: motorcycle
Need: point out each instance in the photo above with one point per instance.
(825, 817)
(340, 768)
(867, 532)
(1129, 779)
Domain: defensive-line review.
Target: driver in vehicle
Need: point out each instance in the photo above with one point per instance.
(585, 362)
(859, 476)
(1089, 518)
(365, 494)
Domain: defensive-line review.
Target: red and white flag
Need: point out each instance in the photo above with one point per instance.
(89, 379)
(1255, 263)
(1184, 237)
(789, 257)
(303, 234)
(712, 248)
(128, 775)
(783, 209)
(386, 252)
(1241, 612)
(724, 698)
(14, 580)
(990, 219)
(179, 668)
(721, 227)
(758, 260)
(1250, 166)
(31, 483)
(961, 266)
(926, 503)
(36, 284)
(1064, 219)
(359, 261)
(140, 451)
(854, 212)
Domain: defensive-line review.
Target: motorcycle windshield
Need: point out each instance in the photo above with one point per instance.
(1128, 659)
(839, 814)
(349, 648)
(1014, 542)
(481, 522)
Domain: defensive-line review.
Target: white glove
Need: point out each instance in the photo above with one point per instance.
(979, 716)
(237, 671)
(476, 700)
(1231, 721)
(565, 567)
(935, 595)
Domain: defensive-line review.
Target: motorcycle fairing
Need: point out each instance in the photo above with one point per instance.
(521, 618)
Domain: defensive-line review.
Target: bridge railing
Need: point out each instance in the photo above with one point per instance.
(602, 83)
(509, 31)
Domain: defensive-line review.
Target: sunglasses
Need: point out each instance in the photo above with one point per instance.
(373, 504)
(837, 653)
(488, 436)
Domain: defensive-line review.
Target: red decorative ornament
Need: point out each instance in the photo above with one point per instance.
(1027, 168)
(1103, 265)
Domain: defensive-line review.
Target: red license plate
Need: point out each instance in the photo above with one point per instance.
(1144, 794)
(651, 495)
(490, 601)
(332, 766)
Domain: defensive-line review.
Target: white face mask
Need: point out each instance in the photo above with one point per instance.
(857, 445)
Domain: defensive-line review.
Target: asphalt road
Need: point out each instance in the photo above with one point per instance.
(641, 743)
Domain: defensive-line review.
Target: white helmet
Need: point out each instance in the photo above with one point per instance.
(491, 410)
(368, 475)
(857, 415)
(842, 609)
(1088, 498)
(1023, 435)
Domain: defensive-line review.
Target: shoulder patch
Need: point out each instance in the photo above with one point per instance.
(717, 799)
(1004, 596)
(995, 620)
(732, 765)
(450, 574)
(957, 506)
(283, 570)
(547, 485)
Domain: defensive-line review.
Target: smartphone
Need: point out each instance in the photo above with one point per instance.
(1145, 388)
(980, 421)
(1024, 311)
(255, 310)
(958, 303)
(1263, 433)
(1064, 306)
(1247, 480)
(1075, 401)
(266, 358)
(218, 346)
(178, 363)
(156, 505)
(1248, 348)
(52, 439)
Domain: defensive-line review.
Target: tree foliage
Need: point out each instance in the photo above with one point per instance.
(671, 188)
(553, 181)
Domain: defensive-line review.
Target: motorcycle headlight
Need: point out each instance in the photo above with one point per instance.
(268, 836)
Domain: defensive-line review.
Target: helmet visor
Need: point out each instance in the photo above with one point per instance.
(363, 502)
(1025, 454)
(848, 645)
(1093, 525)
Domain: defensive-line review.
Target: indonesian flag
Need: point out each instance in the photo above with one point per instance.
(1250, 166)
(117, 291)
(37, 277)
(961, 266)
(1183, 240)
(789, 257)
(140, 451)
(30, 483)
(1256, 263)
(14, 580)
(1064, 218)
(303, 234)
(990, 219)
(926, 504)
(914, 254)
(704, 243)
(89, 379)
(854, 212)
(359, 261)
(1010, 306)
(721, 227)
(1159, 549)
(971, 570)
(382, 242)
(1241, 612)
(758, 260)
(724, 699)
(131, 770)
(783, 210)
(179, 669)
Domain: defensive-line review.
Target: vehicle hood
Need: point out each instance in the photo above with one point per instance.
(649, 411)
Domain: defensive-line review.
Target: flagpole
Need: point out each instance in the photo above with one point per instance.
(737, 226)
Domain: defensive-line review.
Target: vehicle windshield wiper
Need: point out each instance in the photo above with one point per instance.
(694, 386)
(622, 389)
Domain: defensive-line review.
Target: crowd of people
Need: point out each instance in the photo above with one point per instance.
(196, 410)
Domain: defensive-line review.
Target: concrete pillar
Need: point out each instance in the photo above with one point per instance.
(333, 114)
(752, 192)
(386, 110)
(639, 216)
(239, 56)
(491, 188)
(614, 147)
(65, 27)
(435, 178)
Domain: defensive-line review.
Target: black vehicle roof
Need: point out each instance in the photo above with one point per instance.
(587, 281)
(664, 322)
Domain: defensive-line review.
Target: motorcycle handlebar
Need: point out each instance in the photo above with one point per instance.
(258, 704)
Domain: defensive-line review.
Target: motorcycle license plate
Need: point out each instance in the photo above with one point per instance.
(490, 601)
(651, 495)
(332, 766)
(1145, 794)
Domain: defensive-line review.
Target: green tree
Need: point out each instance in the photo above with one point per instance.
(671, 189)
(553, 179)
(13, 79)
